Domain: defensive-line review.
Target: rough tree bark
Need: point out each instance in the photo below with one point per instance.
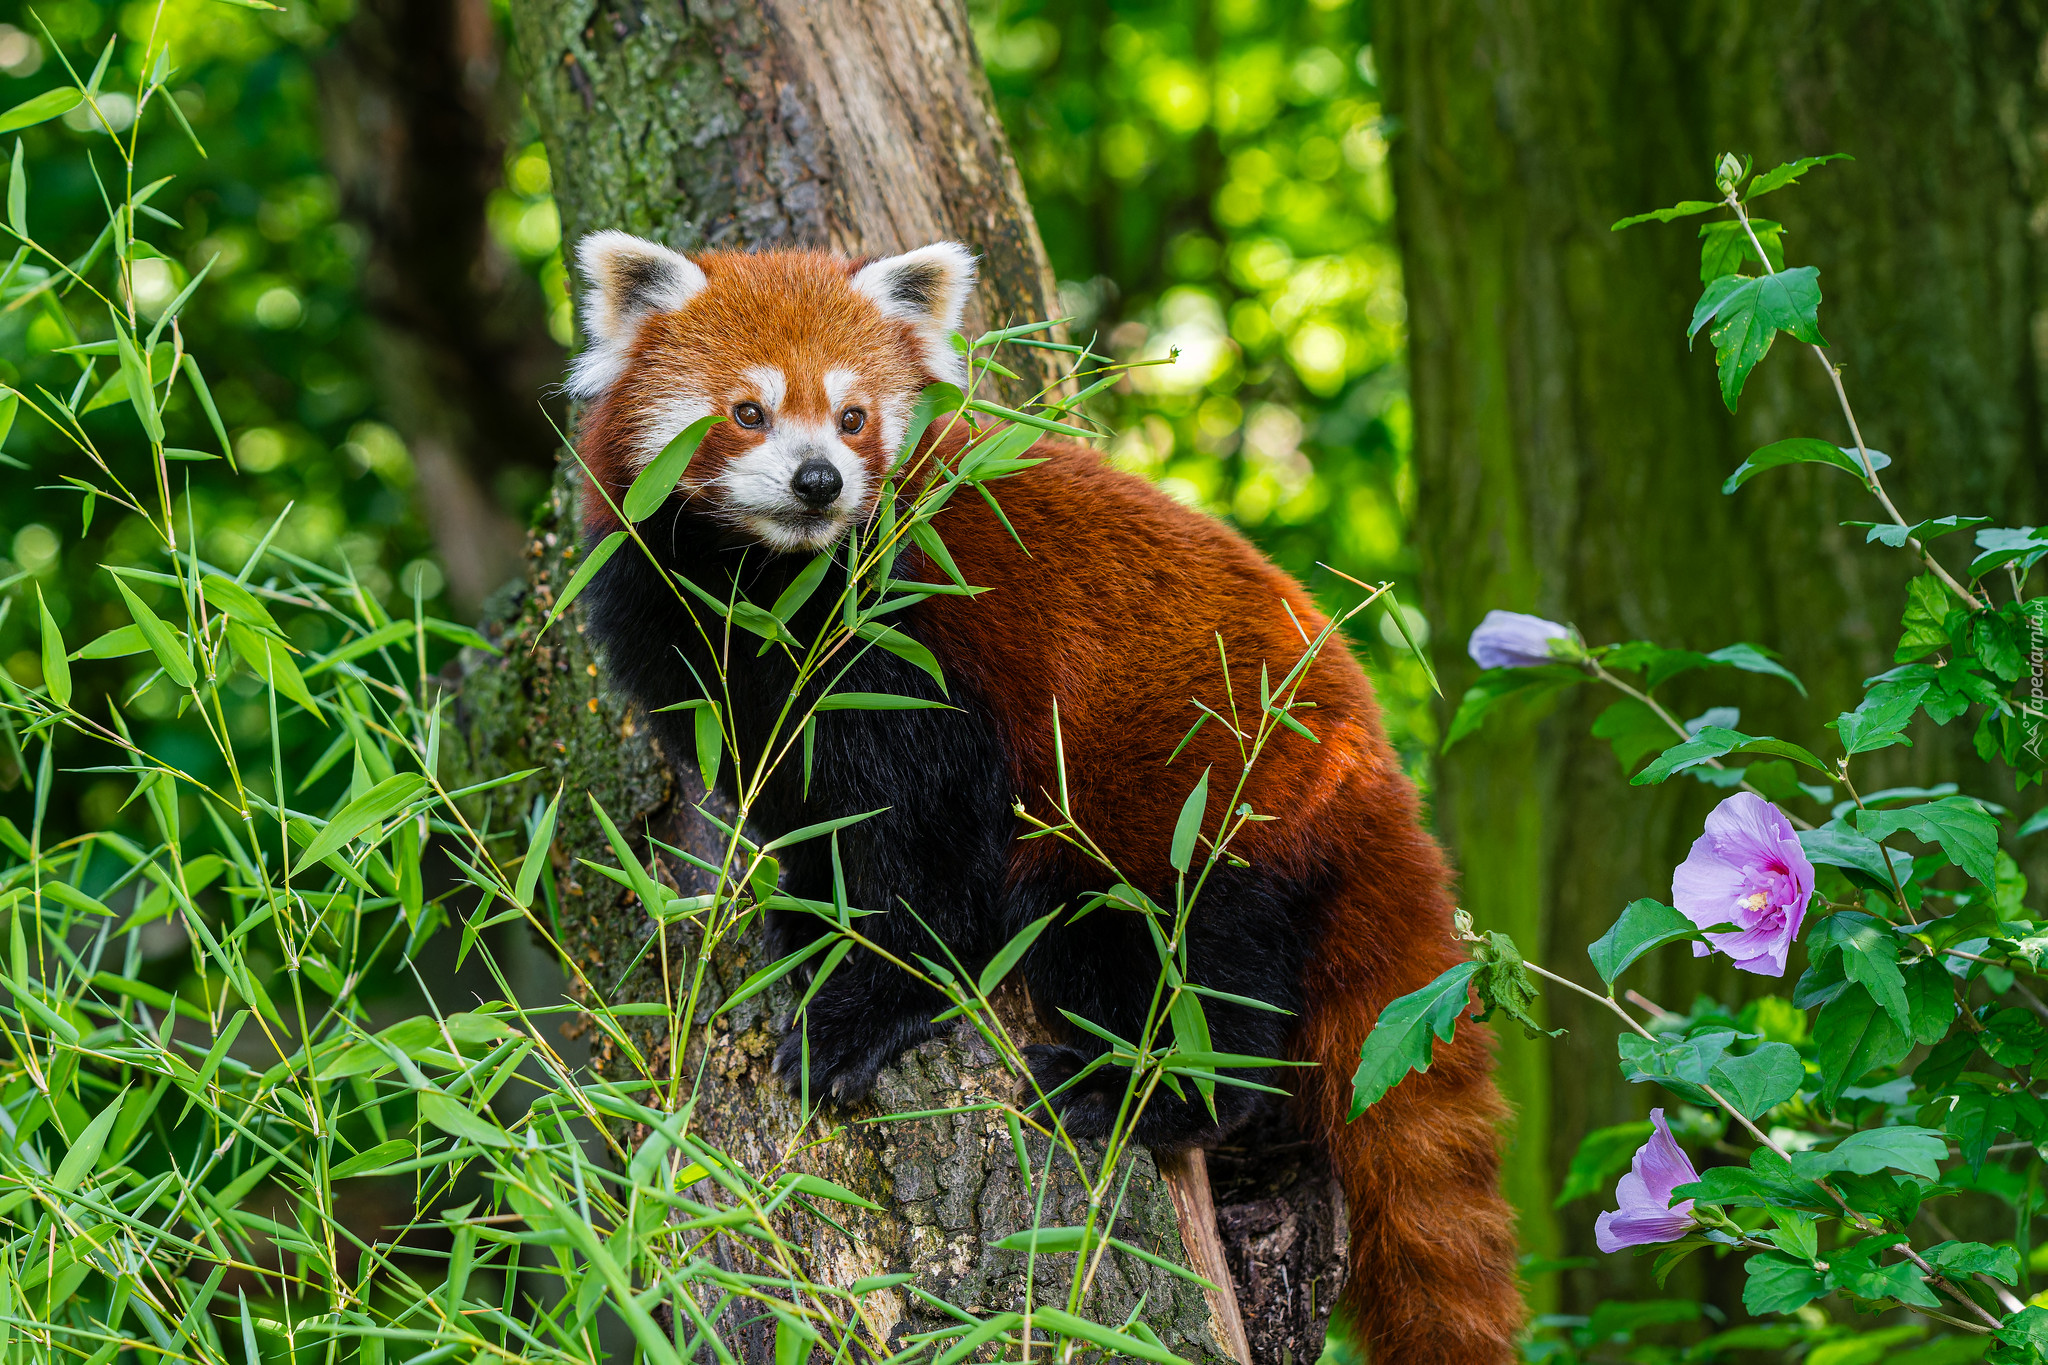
(866, 128)
(414, 105)
(1569, 450)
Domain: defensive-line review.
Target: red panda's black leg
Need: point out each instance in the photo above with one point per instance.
(867, 1014)
(1244, 938)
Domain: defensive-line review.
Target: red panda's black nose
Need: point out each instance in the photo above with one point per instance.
(816, 482)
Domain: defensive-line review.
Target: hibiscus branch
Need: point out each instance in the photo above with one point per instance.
(1870, 478)
(1927, 1272)
(1677, 726)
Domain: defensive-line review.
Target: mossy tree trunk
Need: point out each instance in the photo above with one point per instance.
(1569, 451)
(864, 128)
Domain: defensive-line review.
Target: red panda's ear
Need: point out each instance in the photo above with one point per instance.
(625, 279)
(928, 289)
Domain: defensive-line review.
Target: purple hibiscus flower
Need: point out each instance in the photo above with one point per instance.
(1647, 1214)
(1747, 870)
(1512, 639)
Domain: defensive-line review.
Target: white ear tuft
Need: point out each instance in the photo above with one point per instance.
(928, 289)
(625, 279)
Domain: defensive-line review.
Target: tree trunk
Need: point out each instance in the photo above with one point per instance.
(413, 108)
(864, 128)
(1569, 450)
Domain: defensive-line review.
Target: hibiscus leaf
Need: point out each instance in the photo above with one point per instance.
(1645, 925)
(1836, 845)
(1916, 1151)
(1497, 685)
(1779, 177)
(1684, 208)
(1762, 1081)
(1803, 450)
(1779, 1284)
(1748, 313)
(1755, 659)
(1966, 832)
(1975, 1258)
(1714, 741)
(1870, 958)
(1932, 1002)
(1854, 1037)
(1504, 984)
(1404, 1038)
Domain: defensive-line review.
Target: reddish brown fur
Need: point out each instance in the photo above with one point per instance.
(1115, 613)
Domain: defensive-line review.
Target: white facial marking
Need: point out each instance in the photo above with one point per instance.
(838, 384)
(756, 487)
(769, 384)
(664, 422)
(895, 417)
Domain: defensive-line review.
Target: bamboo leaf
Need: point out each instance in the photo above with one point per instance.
(580, 580)
(652, 486)
(56, 667)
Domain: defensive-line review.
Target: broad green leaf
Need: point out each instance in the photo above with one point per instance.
(1403, 1039)
(41, 108)
(1779, 177)
(1761, 1081)
(1012, 953)
(163, 641)
(652, 486)
(1497, 685)
(1892, 534)
(1645, 925)
(1916, 1151)
(1854, 1037)
(1748, 312)
(1189, 824)
(1779, 1284)
(1931, 1003)
(372, 808)
(1684, 208)
(537, 850)
(1803, 450)
(580, 580)
(1714, 741)
(1966, 832)
(1633, 729)
(1870, 957)
(1725, 246)
(56, 667)
(1975, 1258)
(1754, 659)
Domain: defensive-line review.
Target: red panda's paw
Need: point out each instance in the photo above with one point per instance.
(841, 1070)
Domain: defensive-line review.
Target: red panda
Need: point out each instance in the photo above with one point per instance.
(815, 363)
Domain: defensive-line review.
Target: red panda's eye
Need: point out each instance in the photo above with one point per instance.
(748, 414)
(852, 420)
